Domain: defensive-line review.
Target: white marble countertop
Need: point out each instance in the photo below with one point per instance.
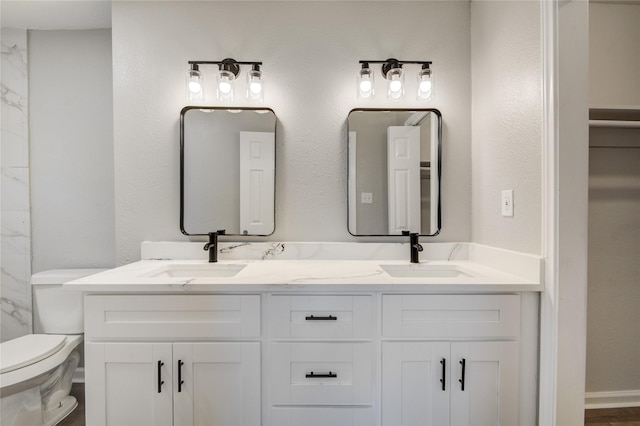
(487, 270)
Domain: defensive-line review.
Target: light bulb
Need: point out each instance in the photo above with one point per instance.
(255, 88)
(425, 86)
(224, 87)
(195, 87)
(395, 86)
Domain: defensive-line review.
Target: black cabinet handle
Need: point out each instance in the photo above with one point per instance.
(443, 361)
(463, 362)
(314, 318)
(180, 381)
(314, 375)
(160, 381)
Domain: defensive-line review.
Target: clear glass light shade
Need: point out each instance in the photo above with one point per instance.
(366, 83)
(395, 78)
(425, 84)
(255, 85)
(225, 85)
(194, 85)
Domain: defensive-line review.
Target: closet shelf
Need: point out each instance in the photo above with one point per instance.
(614, 117)
(614, 113)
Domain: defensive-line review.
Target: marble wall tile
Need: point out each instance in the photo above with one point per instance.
(15, 189)
(15, 277)
(16, 233)
(16, 296)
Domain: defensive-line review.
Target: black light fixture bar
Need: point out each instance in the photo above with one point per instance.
(226, 61)
(391, 63)
(396, 61)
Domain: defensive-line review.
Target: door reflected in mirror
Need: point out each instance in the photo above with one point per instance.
(394, 171)
(227, 170)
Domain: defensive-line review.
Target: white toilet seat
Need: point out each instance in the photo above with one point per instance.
(52, 350)
(29, 349)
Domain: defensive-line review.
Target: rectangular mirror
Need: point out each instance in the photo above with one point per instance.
(394, 171)
(227, 170)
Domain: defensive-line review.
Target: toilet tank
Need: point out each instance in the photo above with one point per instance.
(55, 310)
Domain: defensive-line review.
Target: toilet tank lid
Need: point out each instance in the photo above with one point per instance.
(61, 276)
(29, 349)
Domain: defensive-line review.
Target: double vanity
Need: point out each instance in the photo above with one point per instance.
(312, 334)
(285, 334)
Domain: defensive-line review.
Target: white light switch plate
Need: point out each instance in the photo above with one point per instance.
(507, 203)
(366, 198)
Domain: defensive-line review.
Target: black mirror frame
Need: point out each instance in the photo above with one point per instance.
(214, 108)
(439, 198)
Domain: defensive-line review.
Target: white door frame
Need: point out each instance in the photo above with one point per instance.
(564, 211)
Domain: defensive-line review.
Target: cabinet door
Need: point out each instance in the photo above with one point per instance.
(412, 389)
(220, 384)
(490, 394)
(123, 386)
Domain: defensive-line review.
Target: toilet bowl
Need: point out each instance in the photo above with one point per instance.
(36, 370)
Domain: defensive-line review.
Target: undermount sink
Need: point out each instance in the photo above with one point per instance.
(208, 270)
(427, 271)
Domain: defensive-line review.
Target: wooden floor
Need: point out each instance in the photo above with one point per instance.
(600, 417)
(613, 417)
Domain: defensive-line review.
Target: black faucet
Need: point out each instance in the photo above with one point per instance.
(414, 245)
(212, 245)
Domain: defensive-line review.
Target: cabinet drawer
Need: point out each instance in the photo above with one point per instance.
(322, 416)
(450, 316)
(321, 316)
(321, 373)
(169, 316)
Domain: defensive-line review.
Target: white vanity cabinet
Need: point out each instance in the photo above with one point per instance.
(304, 358)
(450, 359)
(322, 360)
(173, 359)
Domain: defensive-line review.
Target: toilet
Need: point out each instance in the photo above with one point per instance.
(36, 370)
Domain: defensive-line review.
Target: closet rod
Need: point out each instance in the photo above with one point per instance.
(615, 123)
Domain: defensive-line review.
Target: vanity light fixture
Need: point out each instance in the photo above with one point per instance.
(228, 71)
(393, 72)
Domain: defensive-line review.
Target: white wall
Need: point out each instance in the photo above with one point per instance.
(71, 146)
(506, 123)
(614, 41)
(310, 52)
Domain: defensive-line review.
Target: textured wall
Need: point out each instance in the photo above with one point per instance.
(614, 62)
(310, 52)
(507, 123)
(16, 249)
(71, 143)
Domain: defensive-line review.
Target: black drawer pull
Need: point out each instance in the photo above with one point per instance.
(160, 381)
(180, 381)
(463, 362)
(314, 318)
(443, 361)
(315, 375)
